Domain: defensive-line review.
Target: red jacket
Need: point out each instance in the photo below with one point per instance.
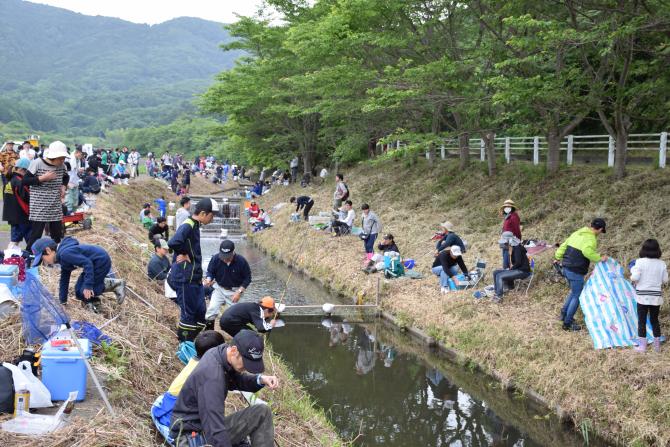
(512, 223)
(254, 210)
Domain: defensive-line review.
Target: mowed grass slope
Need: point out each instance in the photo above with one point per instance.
(616, 393)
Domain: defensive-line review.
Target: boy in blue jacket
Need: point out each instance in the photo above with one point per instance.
(95, 262)
(186, 273)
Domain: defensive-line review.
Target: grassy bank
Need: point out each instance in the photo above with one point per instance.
(141, 363)
(616, 393)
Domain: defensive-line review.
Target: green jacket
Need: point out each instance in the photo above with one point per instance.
(580, 248)
(104, 158)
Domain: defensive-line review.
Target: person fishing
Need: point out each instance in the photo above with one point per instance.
(259, 315)
(230, 275)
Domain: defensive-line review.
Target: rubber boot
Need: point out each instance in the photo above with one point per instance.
(641, 344)
(118, 286)
(657, 344)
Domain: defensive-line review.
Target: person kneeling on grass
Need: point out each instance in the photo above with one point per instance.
(159, 230)
(387, 245)
(95, 262)
(161, 410)
(450, 260)
(199, 416)
(241, 315)
(519, 265)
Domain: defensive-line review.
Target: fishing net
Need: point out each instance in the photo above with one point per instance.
(40, 311)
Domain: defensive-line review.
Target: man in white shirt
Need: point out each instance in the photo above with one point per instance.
(133, 162)
(183, 212)
(72, 196)
(343, 224)
(27, 151)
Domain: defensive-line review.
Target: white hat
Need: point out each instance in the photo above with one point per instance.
(447, 226)
(455, 250)
(56, 149)
(121, 162)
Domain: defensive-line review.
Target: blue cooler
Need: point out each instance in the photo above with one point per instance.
(63, 370)
(9, 274)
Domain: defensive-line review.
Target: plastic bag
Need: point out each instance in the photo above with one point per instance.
(40, 397)
(169, 291)
(39, 424)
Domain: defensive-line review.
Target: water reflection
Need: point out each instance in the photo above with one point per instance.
(368, 385)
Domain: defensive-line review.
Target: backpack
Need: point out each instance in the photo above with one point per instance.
(346, 193)
(396, 269)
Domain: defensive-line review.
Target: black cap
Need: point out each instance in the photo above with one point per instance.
(203, 205)
(598, 224)
(226, 249)
(250, 345)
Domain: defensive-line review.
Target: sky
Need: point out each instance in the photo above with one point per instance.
(157, 11)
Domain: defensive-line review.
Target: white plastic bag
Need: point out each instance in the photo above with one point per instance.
(40, 397)
(169, 291)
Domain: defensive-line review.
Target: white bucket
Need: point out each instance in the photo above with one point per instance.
(170, 220)
(171, 206)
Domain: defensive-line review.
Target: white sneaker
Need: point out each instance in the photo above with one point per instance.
(444, 290)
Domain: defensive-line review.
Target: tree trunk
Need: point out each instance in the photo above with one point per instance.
(431, 153)
(489, 148)
(372, 146)
(464, 149)
(310, 126)
(554, 155)
(620, 150)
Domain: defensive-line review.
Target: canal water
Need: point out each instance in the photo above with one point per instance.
(381, 387)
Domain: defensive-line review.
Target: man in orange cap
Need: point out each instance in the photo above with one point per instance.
(260, 315)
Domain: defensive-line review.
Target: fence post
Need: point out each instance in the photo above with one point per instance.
(662, 151)
(610, 152)
(397, 144)
(443, 154)
(507, 150)
(536, 150)
(571, 143)
(482, 150)
(427, 154)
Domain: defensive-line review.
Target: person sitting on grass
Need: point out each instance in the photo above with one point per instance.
(447, 239)
(519, 265)
(159, 230)
(161, 410)
(159, 264)
(199, 415)
(254, 210)
(342, 225)
(90, 185)
(120, 172)
(303, 202)
(450, 260)
(387, 245)
(95, 262)
(649, 274)
(147, 220)
(146, 206)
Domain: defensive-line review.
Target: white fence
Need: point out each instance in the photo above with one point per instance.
(585, 147)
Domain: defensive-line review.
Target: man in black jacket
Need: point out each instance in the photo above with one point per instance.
(198, 417)
(159, 230)
(260, 315)
(304, 202)
(230, 275)
(519, 268)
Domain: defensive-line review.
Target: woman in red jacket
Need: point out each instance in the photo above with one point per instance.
(511, 222)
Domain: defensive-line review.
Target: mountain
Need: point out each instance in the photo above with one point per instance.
(63, 70)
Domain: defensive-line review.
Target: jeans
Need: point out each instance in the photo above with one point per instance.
(505, 258)
(576, 281)
(506, 277)
(370, 243)
(20, 232)
(642, 310)
(254, 421)
(444, 278)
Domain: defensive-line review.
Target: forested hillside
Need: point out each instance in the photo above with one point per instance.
(64, 71)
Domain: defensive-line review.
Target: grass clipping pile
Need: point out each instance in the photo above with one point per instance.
(615, 393)
(141, 362)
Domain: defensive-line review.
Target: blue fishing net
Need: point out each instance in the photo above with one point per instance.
(41, 313)
(84, 329)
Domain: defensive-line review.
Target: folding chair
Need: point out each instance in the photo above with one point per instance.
(529, 279)
(480, 271)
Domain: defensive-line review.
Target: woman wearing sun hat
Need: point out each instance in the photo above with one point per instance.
(511, 223)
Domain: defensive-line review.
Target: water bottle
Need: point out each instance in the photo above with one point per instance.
(22, 400)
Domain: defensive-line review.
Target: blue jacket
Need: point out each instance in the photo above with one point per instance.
(186, 241)
(230, 276)
(94, 260)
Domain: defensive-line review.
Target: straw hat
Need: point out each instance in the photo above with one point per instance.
(447, 226)
(510, 203)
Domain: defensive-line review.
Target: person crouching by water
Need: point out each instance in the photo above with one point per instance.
(94, 261)
(260, 315)
(450, 260)
(303, 202)
(519, 265)
(199, 415)
(230, 275)
(649, 274)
